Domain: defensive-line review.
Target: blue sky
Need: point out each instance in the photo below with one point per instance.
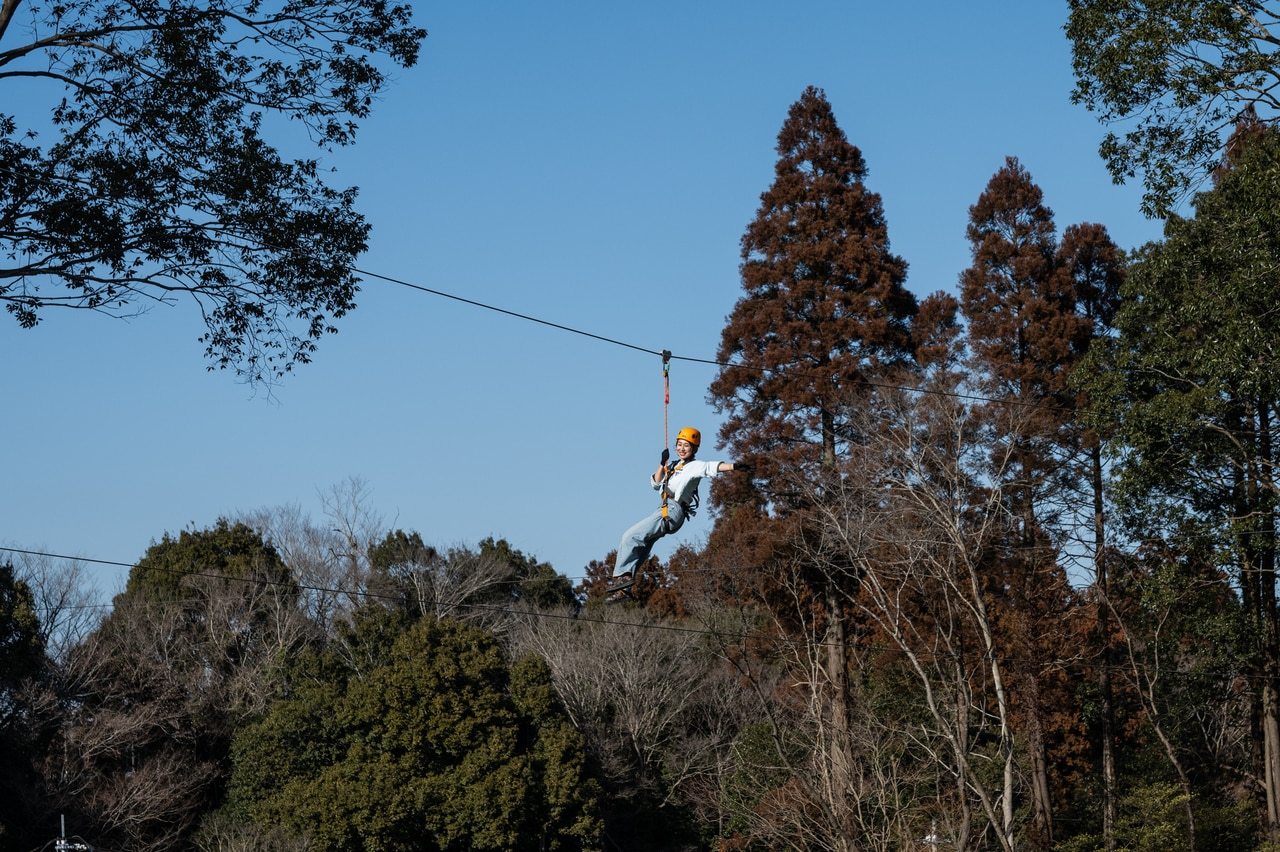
(591, 164)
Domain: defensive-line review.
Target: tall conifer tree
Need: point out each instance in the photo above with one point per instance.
(825, 306)
(1096, 268)
(1025, 336)
(825, 309)
(1020, 305)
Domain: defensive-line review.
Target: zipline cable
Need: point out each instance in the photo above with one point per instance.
(526, 317)
(668, 356)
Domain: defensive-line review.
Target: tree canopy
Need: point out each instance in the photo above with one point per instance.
(154, 179)
(1190, 383)
(1183, 72)
(438, 745)
(21, 641)
(1188, 390)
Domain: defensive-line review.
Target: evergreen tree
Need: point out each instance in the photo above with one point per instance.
(21, 640)
(1096, 268)
(825, 307)
(430, 742)
(227, 556)
(535, 583)
(1023, 327)
(478, 586)
(191, 650)
(1026, 335)
(824, 313)
(1189, 390)
(22, 656)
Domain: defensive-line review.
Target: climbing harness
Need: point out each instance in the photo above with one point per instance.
(667, 523)
(690, 508)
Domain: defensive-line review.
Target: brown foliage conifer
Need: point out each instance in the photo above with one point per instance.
(824, 315)
(1024, 330)
(825, 307)
(1026, 336)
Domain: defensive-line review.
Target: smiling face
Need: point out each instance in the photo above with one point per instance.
(684, 449)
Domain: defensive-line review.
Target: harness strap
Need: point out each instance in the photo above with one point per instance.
(666, 432)
(666, 396)
(666, 492)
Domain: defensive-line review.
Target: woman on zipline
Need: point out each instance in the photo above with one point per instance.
(679, 486)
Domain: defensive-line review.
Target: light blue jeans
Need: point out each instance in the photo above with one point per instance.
(639, 540)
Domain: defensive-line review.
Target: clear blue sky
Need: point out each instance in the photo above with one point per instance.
(591, 164)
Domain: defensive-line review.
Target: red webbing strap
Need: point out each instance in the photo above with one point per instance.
(666, 396)
(666, 402)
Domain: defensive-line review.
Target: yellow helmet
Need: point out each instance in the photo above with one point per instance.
(693, 436)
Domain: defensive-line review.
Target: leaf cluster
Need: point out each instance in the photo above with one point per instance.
(1182, 71)
(438, 745)
(160, 182)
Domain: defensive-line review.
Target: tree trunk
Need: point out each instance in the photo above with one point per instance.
(1271, 651)
(962, 767)
(838, 707)
(1039, 773)
(841, 744)
(1102, 588)
(828, 440)
(1259, 558)
(1270, 757)
(1041, 801)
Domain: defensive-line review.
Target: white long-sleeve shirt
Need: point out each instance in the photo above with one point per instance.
(684, 482)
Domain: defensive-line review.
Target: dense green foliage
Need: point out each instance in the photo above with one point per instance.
(160, 180)
(21, 642)
(1189, 390)
(22, 651)
(1191, 383)
(436, 744)
(1182, 72)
